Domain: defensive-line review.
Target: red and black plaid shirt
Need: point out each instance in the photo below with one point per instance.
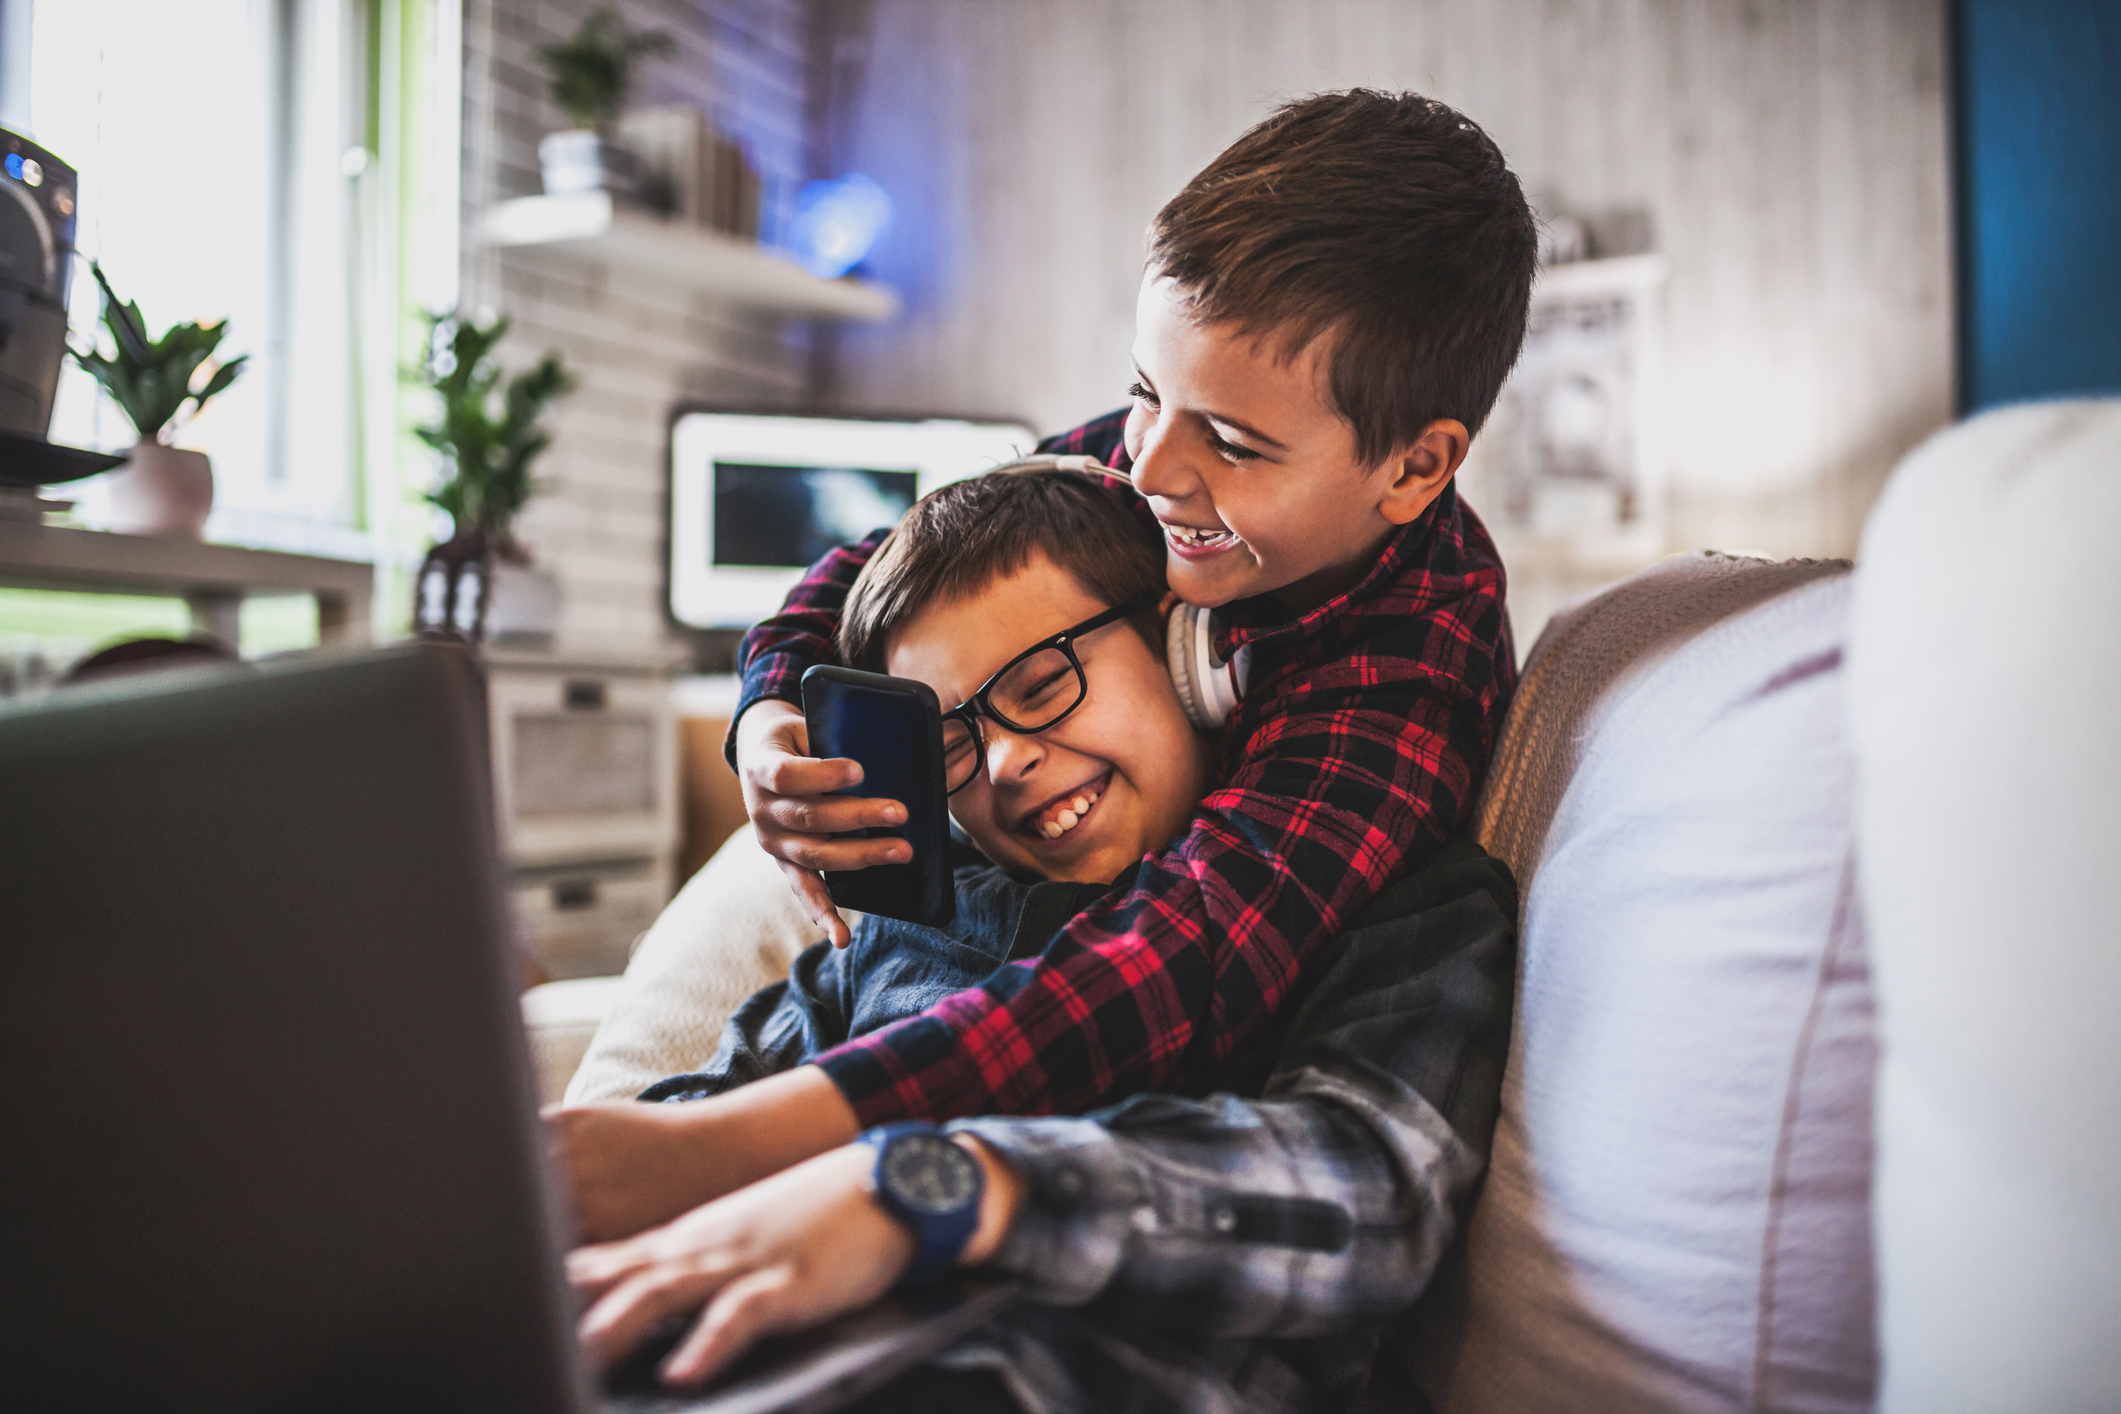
(1357, 750)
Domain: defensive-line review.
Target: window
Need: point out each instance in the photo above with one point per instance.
(290, 165)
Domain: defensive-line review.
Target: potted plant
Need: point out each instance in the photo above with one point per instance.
(481, 579)
(161, 490)
(591, 74)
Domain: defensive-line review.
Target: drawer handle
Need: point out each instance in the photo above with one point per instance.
(574, 893)
(584, 695)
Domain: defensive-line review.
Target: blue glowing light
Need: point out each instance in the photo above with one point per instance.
(14, 165)
(837, 223)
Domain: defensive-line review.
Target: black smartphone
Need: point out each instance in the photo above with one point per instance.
(894, 727)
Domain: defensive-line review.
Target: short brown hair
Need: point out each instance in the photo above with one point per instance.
(1388, 221)
(961, 537)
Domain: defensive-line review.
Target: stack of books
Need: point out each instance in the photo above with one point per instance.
(691, 171)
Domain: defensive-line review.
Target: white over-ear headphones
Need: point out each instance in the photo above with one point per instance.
(1207, 687)
(1045, 461)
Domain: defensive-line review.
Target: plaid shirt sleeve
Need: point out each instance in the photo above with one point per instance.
(775, 655)
(1332, 1199)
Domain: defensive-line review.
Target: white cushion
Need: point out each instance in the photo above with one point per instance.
(733, 929)
(1985, 692)
(1676, 1212)
(561, 1018)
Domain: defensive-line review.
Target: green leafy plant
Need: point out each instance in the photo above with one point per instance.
(152, 379)
(592, 73)
(488, 434)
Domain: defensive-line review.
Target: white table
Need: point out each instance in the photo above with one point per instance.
(212, 579)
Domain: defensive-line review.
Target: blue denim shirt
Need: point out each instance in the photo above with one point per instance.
(890, 971)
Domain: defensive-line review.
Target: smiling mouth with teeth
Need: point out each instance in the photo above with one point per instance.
(1066, 813)
(1195, 538)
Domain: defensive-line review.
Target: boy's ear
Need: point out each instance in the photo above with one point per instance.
(1421, 469)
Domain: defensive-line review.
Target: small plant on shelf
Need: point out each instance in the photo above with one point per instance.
(151, 379)
(592, 73)
(162, 490)
(488, 434)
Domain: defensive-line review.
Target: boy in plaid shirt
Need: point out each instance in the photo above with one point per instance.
(1328, 314)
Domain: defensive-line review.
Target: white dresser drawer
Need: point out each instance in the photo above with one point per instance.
(582, 920)
(584, 760)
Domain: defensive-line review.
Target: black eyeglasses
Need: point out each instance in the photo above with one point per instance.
(1033, 691)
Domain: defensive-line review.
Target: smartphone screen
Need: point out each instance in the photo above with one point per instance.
(894, 727)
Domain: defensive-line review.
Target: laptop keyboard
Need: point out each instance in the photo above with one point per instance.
(631, 1385)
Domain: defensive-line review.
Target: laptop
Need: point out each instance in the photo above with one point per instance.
(271, 1131)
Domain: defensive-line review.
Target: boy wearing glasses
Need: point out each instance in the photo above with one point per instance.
(1327, 317)
(1030, 599)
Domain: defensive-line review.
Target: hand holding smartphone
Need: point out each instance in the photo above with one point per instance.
(894, 727)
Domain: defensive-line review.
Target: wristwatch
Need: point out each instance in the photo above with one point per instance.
(930, 1185)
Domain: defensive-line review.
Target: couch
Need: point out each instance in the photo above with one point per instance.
(1815, 1087)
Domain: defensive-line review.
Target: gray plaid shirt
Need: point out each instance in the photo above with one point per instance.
(1226, 1253)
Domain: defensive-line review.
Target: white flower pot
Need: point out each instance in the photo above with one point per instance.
(580, 160)
(524, 611)
(162, 491)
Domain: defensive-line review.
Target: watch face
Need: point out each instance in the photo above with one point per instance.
(929, 1174)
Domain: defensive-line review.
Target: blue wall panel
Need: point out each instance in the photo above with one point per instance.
(2039, 153)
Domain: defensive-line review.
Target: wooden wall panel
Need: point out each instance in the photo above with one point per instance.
(1790, 156)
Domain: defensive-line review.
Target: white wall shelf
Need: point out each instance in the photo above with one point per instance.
(588, 225)
(213, 579)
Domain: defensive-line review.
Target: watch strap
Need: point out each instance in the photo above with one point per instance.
(938, 1237)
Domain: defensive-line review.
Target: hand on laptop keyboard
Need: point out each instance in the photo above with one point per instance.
(784, 1254)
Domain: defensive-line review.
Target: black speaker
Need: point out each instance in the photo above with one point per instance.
(38, 196)
(36, 259)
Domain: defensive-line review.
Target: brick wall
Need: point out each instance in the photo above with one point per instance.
(637, 346)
